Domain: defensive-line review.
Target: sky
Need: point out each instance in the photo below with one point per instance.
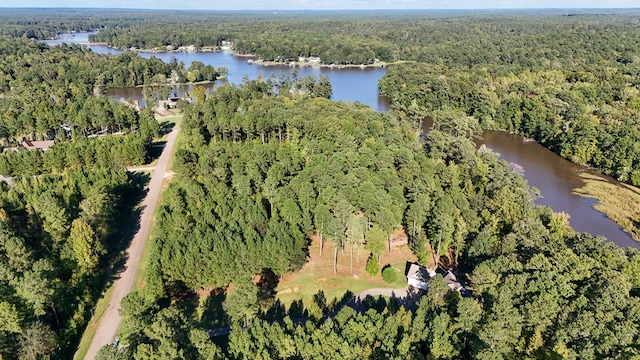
(323, 4)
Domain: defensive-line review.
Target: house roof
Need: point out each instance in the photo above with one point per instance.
(420, 273)
(450, 279)
(423, 275)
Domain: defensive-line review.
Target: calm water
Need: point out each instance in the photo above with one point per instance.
(351, 84)
(76, 38)
(554, 176)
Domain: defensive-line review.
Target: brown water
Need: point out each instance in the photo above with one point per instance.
(556, 178)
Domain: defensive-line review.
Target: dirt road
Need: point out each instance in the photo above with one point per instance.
(108, 326)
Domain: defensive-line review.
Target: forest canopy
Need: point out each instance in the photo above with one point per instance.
(262, 172)
(263, 167)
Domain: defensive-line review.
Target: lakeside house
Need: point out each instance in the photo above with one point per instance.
(419, 277)
(187, 49)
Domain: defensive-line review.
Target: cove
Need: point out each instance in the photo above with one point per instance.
(554, 176)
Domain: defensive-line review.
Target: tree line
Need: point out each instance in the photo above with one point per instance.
(65, 216)
(520, 40)
(44, 88)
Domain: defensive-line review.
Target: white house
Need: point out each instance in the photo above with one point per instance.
(419, 276)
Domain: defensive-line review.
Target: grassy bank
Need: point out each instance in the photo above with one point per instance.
(620, 202)
(90, 331)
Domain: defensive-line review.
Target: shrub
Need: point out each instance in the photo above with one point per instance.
(389, 274)
(372, 265)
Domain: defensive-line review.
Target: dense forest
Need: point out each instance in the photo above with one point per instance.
(263, 167)
(44, 88)
(58, 234)
(66, 214)
(568, 82)
(517, 41)
(259, 173)
(57, 93)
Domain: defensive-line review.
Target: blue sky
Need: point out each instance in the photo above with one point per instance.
(323, 4)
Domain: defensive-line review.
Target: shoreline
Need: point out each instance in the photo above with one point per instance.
(257, 61)
(380, 64)
(616, 200)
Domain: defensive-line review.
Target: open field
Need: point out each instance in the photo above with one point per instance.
(317, 274)
(620, 202)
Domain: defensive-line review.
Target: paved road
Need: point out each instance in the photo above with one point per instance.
(108, 326)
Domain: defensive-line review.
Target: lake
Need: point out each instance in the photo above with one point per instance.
(349, 84)
(554, 176)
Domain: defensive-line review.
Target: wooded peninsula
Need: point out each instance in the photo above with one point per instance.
(285, 214)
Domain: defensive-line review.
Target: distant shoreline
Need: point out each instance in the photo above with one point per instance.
(255, 59)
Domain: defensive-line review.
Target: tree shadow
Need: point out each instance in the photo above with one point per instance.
(166, 127)
(338, 304)
(155, 150)
(214, 315)
(267, 288)
(297, 310)
(636, 224)
(276, 312)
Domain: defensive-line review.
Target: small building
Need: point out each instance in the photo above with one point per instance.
(450, 279)
(42, 145)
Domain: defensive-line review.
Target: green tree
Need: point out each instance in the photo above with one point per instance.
(86, 247)
(37, 341)
(241, 304)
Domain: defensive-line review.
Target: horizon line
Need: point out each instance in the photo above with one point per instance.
(314, 9)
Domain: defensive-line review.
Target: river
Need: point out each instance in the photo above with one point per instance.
(554, 176)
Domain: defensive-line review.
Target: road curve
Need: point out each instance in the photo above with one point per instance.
(108, 327)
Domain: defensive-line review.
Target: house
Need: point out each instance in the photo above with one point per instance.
(42, 145)
(419, 276)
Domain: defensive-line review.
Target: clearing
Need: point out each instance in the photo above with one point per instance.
(317, 274)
